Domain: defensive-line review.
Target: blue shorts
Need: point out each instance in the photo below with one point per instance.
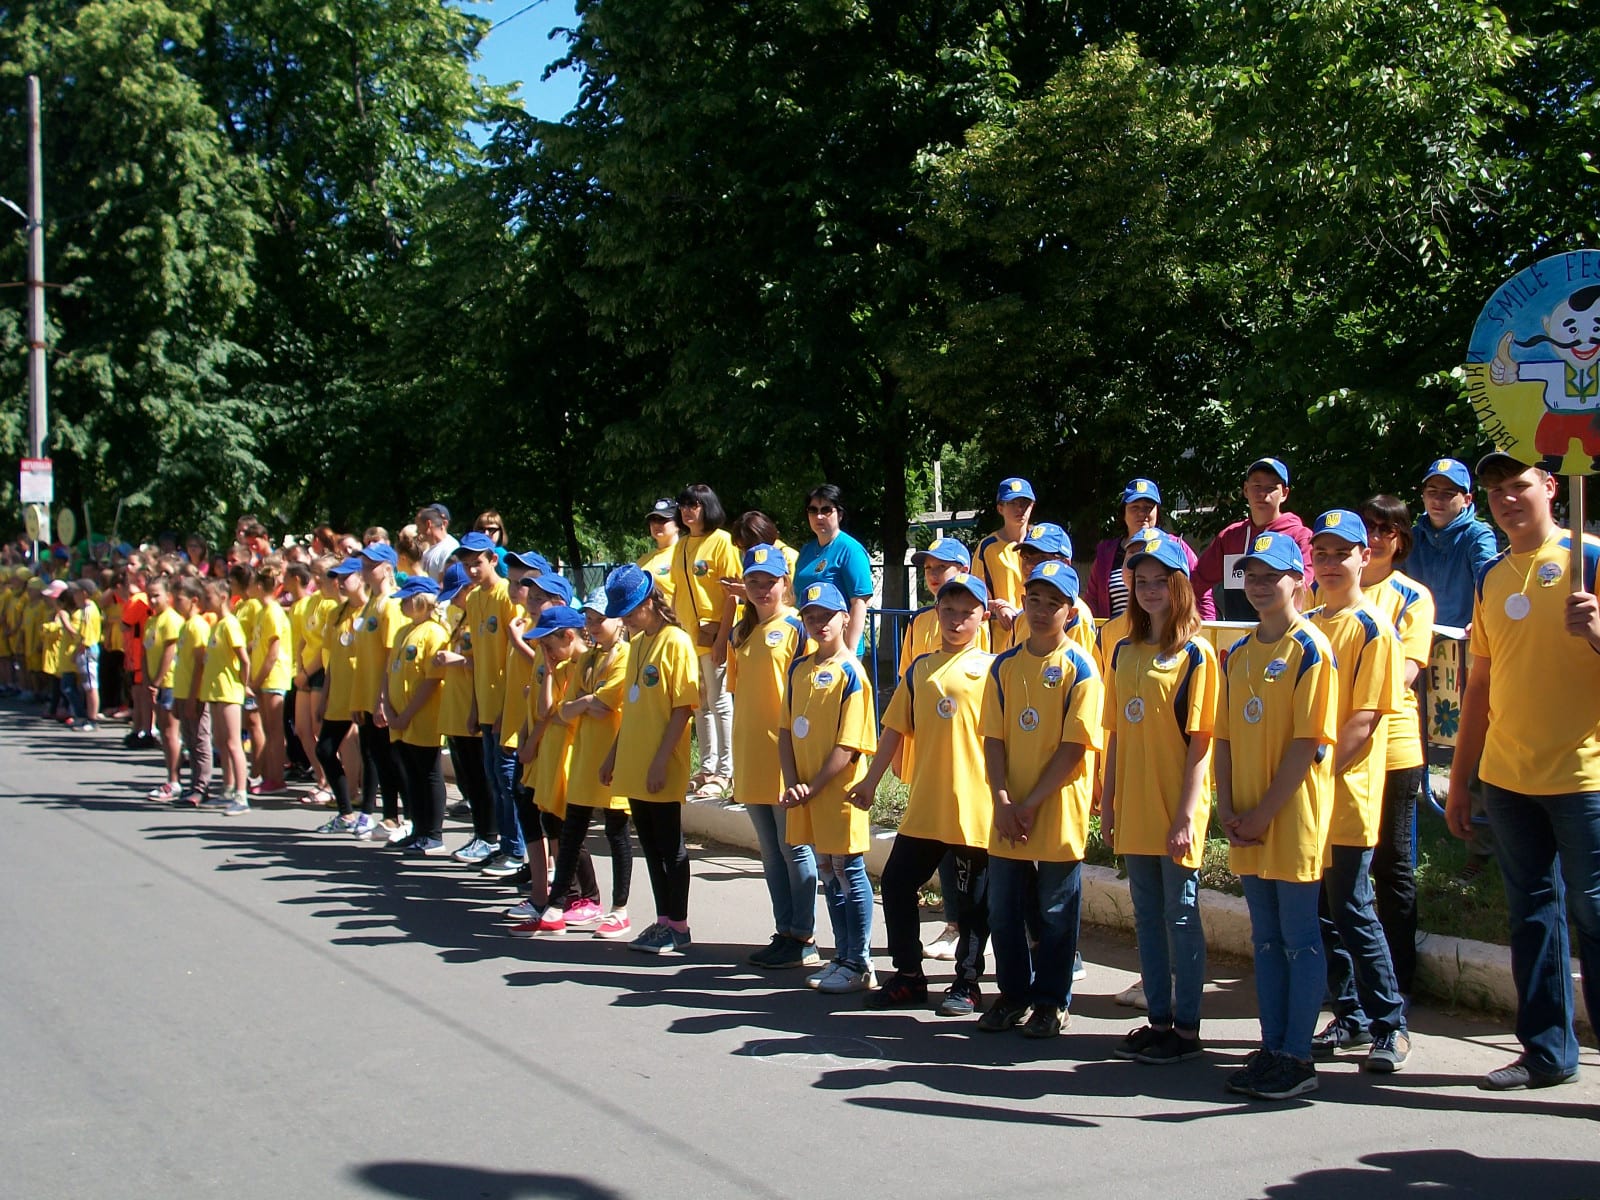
(164, 699)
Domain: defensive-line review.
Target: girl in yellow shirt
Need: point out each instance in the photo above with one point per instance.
(188, 601)
(224, 666)
(410, 707)
(703, 557)
(1162, 684)
(649, 761)
(338, 744)
(765, 642)
(271, 673)
(307, 587)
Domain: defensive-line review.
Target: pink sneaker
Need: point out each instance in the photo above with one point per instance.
(614, 925)
(165, 794)
(527, 929)
(581, 914)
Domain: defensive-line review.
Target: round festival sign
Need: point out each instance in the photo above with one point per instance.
(1533, 365)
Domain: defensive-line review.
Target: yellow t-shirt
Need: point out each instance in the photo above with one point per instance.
(161, 631)
(828, 703)
(1106, 638)
(1000, 565)
(658, 565)
(1080, 630)
(1544, 684)
(605, 677)
(758, 671)
(246, 613)
(699, 565)
(923, 636)
(518, 691)
(193, 634)
(316, 614)
(939, 706)
(456, 692)
(555, 744)
(221, 681)
(272, 623)
(663, 674)
(339, 648)
(38, 613)
(375, 631)
(50, 638)
(1368, 656)
(111, 616)
(410, 664)
(71, 640)
(489, 613)
(1154, 705)
(1274, 693)
(1033, 704)
(90, 625)
(297, 629)
(1410, 609)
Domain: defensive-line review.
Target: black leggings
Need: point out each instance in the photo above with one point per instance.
(424, 788)
(466, 756)
(329, 739)
(660, 827)
(1394, 881)
(911, 861)
(575, 867)
(377, 751)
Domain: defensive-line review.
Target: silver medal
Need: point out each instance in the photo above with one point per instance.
(1518, 606)
(801, 727)
(633, 694)
(1252, 710)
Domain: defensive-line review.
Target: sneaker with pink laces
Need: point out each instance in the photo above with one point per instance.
(614, 925)
(164, 794)
(581, 914)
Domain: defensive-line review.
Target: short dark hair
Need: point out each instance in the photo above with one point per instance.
(828, 493)
(1384, 509)
(712, 515)
(753, 529)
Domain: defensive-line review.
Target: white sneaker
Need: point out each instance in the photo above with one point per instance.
(814, 980)
(943, 947)
(363, 829)
(1133, 996)
(845, 979)
(398, 832)
(526, 911)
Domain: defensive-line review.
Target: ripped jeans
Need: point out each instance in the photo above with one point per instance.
(1291, 972)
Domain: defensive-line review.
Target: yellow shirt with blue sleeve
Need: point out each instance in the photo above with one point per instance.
(828, 703)
(938, 705)
(1410, 609)
(1370, 680)
(758, 672)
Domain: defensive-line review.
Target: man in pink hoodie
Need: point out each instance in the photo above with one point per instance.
(1266, 489)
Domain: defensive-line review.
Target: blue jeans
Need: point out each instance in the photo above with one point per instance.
(500, 765)
(791, 873)
(1290, 972)
(1549, 849)
(1361, 975)
(1053, 891)
(849, 894)
(1172, 943)
(72, 696)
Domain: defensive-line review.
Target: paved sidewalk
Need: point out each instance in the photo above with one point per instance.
(192, 1005)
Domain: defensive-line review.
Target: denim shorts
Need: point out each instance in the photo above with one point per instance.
(315, 683)
(164, 699)
(250, 704)
(87, 662)
(279, 692)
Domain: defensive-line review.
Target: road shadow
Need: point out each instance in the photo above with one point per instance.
(1444, 1175)
(456, 1181)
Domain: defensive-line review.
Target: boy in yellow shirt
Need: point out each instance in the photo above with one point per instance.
(1042, 722)
(1276, 726)
(1367, 1005)
(411, 710)
(996, 560)
(939, 706)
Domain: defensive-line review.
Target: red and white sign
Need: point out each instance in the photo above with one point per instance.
(38, 481)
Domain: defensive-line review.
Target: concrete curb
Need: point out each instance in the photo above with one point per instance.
(1460, 972)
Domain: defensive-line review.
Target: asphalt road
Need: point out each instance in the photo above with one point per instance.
(192, 1005)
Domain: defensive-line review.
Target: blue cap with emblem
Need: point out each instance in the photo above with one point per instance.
(380, 552)
(417, 585)
(475, 543)
(1058, 575)
(627, 587)
(1452, 469)
(765, 559)
(945, 550)
(454, 579)
(1274, 465)
(968, 583)
(1165, 550)
(1014, 488)
(1343, 524)
(350, 566)
(1047, 538)
(1141, 489)
(552, 619)
(1276, 550)
(824, 595)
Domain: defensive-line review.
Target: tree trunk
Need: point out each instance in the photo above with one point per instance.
(894, 437)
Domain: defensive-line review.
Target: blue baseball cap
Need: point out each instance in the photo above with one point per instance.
(945, 550)
(476, 543)
(552, 584)
(1048, 538)
(350, 566)
(1452, 469)
(530, 560)
(454, 579)
(417, 585)
(766, 559)
(1342, 523)
(824, 595)
(1269, 464)
(627, 587)
(1141, 489)
(1276, 550)
(1059, 575)
(1014, 488)
(595, 601)
(380, 552)
(1166, 551)
(966, 582)
(552, 619)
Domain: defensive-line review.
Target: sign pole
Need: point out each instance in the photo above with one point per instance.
(37, 396)
(1575, 498)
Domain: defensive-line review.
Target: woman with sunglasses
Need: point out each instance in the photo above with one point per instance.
(493, 526)
(833, 556)
(703, 558)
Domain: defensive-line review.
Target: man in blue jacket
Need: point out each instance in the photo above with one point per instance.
(1450, 548)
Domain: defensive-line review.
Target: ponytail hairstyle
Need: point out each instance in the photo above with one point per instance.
(269, 575)
(1183, 617)
(662, 607)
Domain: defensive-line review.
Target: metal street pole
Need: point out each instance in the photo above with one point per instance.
(38, 402)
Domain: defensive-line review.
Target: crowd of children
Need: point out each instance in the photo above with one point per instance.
(1013, 719)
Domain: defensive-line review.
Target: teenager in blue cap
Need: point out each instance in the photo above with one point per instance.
(1451, 544)
(410, 703)
(1266, 490)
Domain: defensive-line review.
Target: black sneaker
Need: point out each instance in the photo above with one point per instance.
(1287, 1078)
(1170, 1046)
(459, 811)
(1257, 1064)
(1520, 1075)
(792, 952)
(1005, 1013)
(901, 991)
(1046, 1021)
(522, 878)
(1339, 1034)
(1137, 1042)
(961, 999)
